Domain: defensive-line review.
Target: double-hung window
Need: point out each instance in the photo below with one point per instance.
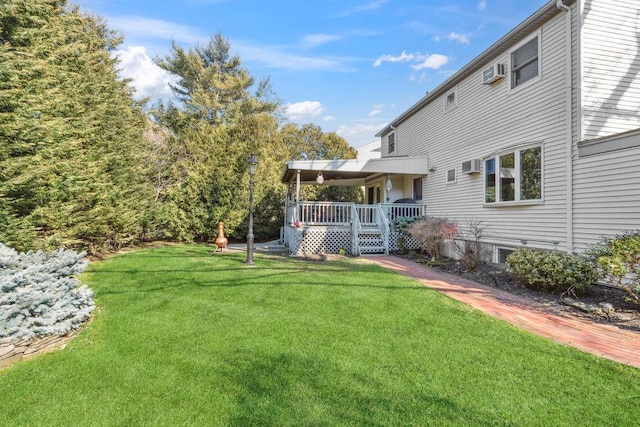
(525, 62)
(514, 176)
(391, 143)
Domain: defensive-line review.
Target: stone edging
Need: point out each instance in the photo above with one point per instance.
(13, 352)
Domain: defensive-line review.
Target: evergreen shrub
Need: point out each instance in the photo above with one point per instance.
(39, 294)
(551, 271)
(618, 261)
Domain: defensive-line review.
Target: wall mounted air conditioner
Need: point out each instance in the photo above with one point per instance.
(471, 166)
(494, 73)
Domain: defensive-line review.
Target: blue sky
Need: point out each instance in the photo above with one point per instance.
(348, 66)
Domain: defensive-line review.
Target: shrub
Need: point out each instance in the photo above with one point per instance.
(39, 295)
(467, 244)
(431, 233)
(401, 224)
(551, 271)
(618, 261)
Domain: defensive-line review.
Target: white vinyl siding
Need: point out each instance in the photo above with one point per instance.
(610, 64)
(493, 119)
(606, 195)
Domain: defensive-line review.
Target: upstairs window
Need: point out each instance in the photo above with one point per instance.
(450, 100)
(514, 176)
(525, 62)
(391, 143)
(417, 189)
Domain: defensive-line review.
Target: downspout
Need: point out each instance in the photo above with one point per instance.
(568, 125)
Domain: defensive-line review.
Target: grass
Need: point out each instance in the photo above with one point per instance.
(183, 337)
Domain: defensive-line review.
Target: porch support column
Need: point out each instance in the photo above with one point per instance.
(286, 206)
(298, 196)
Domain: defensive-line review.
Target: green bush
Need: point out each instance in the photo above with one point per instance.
(551, 271)
(618, 261)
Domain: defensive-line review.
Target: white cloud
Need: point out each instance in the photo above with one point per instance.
(304, 111)
(313, 40)
(434, 62)
(460, 38)
(359, 134)
(482, 5)
(420, 78)
(374, 5)
(148, 79)
(453, 36)
(144, 28)
(276, 58)
(403, 57)
(141, 30)
(375, 112)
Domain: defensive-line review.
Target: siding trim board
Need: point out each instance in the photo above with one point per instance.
(608, 144)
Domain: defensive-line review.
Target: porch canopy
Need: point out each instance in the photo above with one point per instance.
(351, 172)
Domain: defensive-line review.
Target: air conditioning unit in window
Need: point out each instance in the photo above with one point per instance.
(471, 166)
(494, 73)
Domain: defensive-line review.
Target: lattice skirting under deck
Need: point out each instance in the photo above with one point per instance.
(318, 240)
(329, 240)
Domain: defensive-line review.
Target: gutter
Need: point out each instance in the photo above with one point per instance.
(542, 15)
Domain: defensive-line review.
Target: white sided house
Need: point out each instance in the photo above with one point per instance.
(538, 137)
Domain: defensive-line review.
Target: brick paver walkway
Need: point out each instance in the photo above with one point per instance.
(602, 340)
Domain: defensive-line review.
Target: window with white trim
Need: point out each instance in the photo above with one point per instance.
(391, 143)
(450, 100)
(451, 176)
(514, 176)
(524, 64)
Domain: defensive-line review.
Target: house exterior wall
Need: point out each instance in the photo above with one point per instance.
(584, 110)
(489, 119)
(610, 64)
(607, 195)
(606, 185)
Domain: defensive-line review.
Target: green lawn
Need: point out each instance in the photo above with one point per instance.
(184, 337)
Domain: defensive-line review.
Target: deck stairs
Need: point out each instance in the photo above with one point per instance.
(371, 241)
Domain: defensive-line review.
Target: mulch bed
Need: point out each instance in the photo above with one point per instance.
(625, 313)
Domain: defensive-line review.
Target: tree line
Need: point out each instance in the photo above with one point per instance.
(85, 165)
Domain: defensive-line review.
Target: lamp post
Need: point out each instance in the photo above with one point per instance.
(253, 165)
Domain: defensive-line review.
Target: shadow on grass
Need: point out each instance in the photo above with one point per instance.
(289, 389)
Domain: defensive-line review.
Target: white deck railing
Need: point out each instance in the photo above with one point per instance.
(399, 210)
(325, 213)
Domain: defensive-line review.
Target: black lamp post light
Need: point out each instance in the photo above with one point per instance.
(253, 165)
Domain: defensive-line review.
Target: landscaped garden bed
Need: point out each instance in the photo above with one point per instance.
(625, 313)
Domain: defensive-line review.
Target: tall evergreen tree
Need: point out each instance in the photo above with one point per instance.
(70, 132)
(222, 116)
